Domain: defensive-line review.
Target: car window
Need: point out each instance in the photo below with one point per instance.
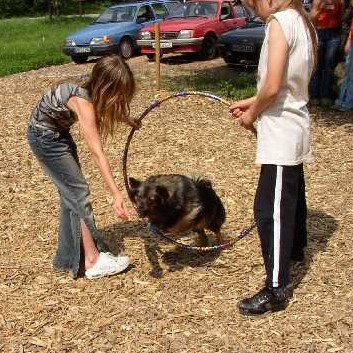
(117, 14)
(175, 9)
(240, 11)
(160, 10)
(145, 14)
(126, 13)
(226, 11)
(200, 9)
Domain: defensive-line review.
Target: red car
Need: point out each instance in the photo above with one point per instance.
(194, 27)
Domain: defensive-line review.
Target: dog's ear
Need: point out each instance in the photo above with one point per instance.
(202, 181)
(134, 186)
(206, 182)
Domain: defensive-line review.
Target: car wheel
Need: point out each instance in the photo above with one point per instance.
(126, 48)
(230, 59)
(79, 59)
(209, 47)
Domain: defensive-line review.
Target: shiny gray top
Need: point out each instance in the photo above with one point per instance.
(52, 110)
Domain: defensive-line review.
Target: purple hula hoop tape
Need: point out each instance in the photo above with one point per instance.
(150, 227)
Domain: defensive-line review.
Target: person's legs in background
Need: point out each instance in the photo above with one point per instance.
(323, 80)
(330, 55)
(345, 99)
(316, 80)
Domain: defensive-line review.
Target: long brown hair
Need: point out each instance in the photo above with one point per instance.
(298, 6)
(111, 86)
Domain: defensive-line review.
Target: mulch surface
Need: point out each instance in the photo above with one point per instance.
(170, 300)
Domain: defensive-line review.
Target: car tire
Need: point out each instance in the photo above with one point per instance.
(230, 59)
(79, 59)
(126, 48)
(209, 48)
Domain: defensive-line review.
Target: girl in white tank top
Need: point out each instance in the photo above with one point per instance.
(287, 60)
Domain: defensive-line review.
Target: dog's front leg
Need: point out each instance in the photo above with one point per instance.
(202, 238)
(219, 238)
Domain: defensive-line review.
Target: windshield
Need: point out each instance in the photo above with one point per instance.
(197, 9)
(117, 14)
(175, 9)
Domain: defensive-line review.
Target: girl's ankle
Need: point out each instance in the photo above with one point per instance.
(90, 260)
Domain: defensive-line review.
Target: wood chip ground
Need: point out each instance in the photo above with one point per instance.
(170, 300)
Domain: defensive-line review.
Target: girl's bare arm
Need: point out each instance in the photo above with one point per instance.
(87, 120)
(278, 52)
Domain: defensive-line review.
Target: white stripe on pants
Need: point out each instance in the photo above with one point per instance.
(277, 226)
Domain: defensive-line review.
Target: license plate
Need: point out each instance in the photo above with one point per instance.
(82, 50)
(163, 44)
(243, 47)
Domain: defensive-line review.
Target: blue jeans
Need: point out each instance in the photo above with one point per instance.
(57, 153)
(345, 98)
(323, 80)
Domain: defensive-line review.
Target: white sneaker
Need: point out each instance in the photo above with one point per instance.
(107, 265)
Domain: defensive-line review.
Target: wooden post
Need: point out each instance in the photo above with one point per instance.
(157, 51)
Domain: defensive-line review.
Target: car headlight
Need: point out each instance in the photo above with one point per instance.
(185, 33)
(146, 35)
(101, 40)
(70, 42)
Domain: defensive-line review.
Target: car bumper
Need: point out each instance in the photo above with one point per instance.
(90, 50)
(232, 53)
(172, 45)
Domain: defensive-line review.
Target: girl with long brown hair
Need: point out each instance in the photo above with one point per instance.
(98, 105)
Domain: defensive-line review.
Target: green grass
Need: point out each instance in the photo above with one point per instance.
(235, 83)
(28, 44)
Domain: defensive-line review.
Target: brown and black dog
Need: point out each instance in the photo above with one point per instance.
(177, 203)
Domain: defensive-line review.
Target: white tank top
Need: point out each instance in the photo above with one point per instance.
(284, 128)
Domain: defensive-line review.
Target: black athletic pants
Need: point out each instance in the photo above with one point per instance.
(280, 213)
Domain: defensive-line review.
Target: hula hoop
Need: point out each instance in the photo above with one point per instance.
(156, 103)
